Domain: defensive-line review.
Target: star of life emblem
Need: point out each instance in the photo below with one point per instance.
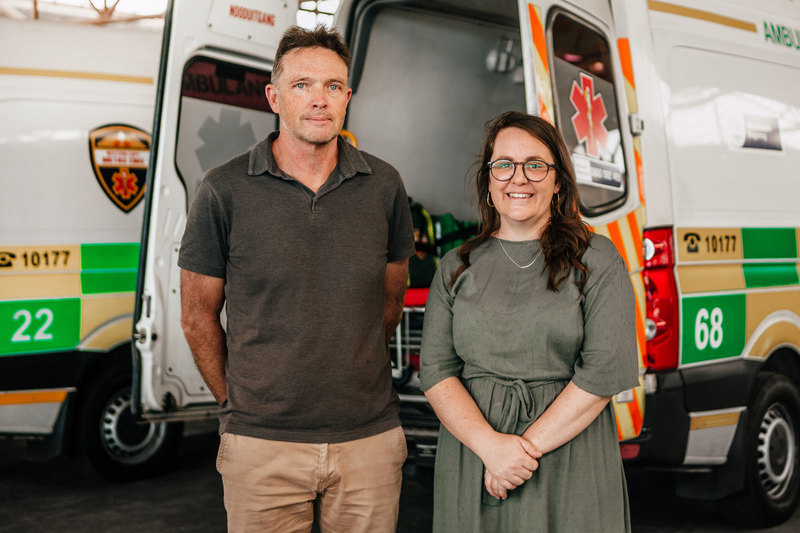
(590, 115)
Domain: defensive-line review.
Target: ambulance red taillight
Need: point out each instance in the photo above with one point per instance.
(661, 324)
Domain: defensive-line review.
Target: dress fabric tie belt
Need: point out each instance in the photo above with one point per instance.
(519, 409)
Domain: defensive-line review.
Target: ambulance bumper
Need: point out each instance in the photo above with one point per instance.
(691, 418)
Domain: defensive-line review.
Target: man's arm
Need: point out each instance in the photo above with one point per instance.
(395, 279)
(202, 298)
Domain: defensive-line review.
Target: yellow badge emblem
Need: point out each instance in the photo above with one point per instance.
(119, 156)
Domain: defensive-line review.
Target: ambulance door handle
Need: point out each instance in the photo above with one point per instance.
(636, 124)
(143, 337)
(140, 336)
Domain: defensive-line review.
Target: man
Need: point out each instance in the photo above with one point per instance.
(307, 240)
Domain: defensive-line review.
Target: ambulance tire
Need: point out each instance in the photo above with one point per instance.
(114, 445)
(771, 455)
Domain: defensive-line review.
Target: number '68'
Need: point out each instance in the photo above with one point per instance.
(705, 335)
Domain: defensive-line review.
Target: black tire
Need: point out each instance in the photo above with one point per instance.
(772, 464)
(112, 442)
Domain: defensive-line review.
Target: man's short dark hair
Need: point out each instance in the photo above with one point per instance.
(297, 37)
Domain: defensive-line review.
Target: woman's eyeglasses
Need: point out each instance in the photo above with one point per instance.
(534, 170)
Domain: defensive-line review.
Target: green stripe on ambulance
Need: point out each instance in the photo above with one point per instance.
(769, 243)
(107, 268)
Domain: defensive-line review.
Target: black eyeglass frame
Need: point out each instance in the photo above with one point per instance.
(514, 172)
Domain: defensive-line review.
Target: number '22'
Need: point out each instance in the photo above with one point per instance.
(41, 333)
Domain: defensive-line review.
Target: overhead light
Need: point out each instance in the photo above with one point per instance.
(500, 58)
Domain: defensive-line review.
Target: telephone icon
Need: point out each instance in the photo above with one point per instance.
(7, 259)
(692, 240)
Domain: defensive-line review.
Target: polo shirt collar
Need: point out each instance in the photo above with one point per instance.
(350, 163)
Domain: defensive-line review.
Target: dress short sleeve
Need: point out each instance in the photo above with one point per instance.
(438, 358)
(608, 360)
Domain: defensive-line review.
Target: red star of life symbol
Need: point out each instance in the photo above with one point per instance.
(125, 183)
(590, 113)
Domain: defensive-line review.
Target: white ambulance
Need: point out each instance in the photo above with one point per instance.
(76, 109)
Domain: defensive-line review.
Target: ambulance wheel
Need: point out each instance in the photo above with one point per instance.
(114, 444)
(772, 473)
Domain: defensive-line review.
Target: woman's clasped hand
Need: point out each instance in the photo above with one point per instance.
(509, 461)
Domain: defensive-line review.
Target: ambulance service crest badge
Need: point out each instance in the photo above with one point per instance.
(119, 155)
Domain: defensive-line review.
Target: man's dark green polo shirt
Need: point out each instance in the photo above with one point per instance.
(304, 290)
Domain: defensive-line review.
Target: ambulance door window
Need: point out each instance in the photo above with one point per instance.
(587, 113)
(223, 113)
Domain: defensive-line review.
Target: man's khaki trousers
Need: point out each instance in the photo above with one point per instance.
(273, 485)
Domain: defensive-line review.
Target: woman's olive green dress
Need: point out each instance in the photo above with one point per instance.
(515, 345)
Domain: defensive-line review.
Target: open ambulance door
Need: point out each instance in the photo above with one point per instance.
(216, 61)
(578, 75)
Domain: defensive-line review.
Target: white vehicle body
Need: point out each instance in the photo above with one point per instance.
(76, 103)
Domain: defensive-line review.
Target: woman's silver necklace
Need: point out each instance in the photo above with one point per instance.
(512, 260)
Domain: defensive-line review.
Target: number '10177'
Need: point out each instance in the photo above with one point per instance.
(723, 243)
(50, 258)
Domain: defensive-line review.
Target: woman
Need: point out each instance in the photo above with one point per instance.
(529, 331)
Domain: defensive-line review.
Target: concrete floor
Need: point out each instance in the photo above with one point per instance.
(58, 496)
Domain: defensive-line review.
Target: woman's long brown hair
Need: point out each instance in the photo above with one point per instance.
(566, 236)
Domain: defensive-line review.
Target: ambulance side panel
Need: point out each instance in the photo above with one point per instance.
(732, 110)
(77, 108)
(723, 174)
(67, 271)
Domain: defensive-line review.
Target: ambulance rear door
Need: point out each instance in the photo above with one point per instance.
(577, 71)
(216, 61)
